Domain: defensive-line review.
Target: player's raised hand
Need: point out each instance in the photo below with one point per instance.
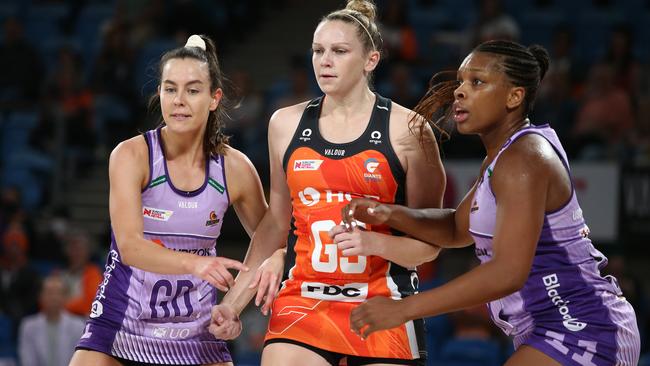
(377, 313)
(365, 210)
(267, 279)
(215, 270)
(224, 323)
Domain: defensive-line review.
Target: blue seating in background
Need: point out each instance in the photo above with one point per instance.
(470, 352)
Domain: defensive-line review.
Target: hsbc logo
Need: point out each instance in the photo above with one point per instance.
(300, 165)
(351, 292)
(311, 196)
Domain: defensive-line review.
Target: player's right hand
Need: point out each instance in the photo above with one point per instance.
(365, 210)
(267, 280)
(224, 322)
(214, 270)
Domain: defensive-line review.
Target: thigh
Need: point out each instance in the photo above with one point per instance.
(288, 354)
(530, 356)
(83, 357)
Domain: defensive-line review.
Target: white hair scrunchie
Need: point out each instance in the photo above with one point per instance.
(195, 41)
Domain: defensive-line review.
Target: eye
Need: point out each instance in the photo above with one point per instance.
(477, 82)
(340, 51)
(193, 91)
(317, 51)
(169, 90)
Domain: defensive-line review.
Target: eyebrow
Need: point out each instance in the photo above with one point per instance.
(188, 83)
(333, 44)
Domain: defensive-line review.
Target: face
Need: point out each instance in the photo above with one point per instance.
(484, 95)
(185, 97)
(339, 58)
(53, 294)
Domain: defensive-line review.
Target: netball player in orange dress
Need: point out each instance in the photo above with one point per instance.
(349, 143)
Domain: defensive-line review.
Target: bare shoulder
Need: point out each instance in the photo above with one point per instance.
(128, 150)
(529, 156)
(286, 119)
(282, 126)
(236, 159)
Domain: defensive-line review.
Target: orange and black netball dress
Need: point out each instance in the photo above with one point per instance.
(322, 286)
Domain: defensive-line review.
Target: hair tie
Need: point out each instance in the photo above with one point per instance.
(195, 41)
(365, 29)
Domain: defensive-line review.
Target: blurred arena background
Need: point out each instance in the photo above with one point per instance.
(75, 77)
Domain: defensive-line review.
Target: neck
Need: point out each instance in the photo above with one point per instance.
(494, 139)
(186, 146)
(52, 316)
(350, 104)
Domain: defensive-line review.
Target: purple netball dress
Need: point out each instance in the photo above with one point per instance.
(163, 319)
(566, 309)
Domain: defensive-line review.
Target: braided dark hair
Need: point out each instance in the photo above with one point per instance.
(524, 67)
(214, 139)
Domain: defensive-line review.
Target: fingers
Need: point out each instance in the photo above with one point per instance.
(337, 230)
(217, 316)
(231, 263)
(347, 215)
(262, 288)
(270, 296)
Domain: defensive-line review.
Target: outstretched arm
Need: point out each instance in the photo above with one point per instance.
(128, 173)
(521, 196)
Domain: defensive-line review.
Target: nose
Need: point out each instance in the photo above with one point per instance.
(459, 92)
(178, 98)
(326, 59)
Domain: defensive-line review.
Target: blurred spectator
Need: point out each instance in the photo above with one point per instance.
(70, 102)
(401, 87)
(112, 84)
(605, 114)
(18, 282)
(399, 37)
(300, 87)
(81, 276)
(493, 23)
(556, 106)
(247, 126)
(49, 337)
(620, 55)
(21, 68)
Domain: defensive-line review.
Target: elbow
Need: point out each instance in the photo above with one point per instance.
(126, 252)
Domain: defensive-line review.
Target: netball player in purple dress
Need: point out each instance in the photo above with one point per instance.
(539, 272)
(169, 190)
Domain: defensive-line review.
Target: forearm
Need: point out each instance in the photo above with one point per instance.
(405, 251)
(431, 225)
(481, 285)
(264, 244)
(151, 257)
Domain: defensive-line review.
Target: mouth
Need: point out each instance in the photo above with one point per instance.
(180, 116)
(327, 76)
(460, 114)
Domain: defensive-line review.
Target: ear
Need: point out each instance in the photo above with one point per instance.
(158, 91)
(372, 61)
(515, 97)
(216, 99)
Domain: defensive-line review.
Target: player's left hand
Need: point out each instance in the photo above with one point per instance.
(224, 323)
(377, 313)
(354, 242)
